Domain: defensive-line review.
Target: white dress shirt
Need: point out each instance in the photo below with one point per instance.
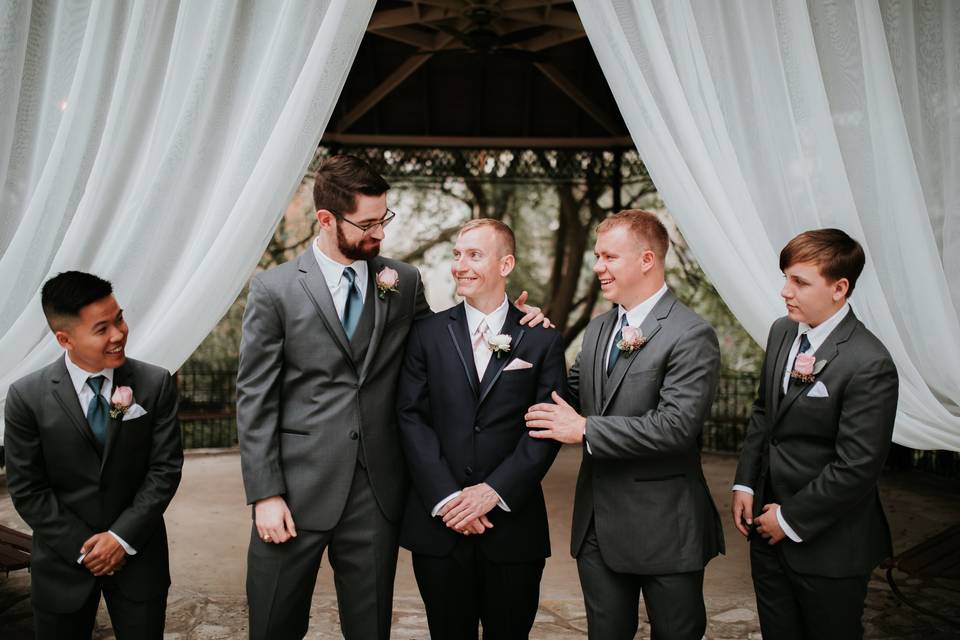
(816, 335)
(78, 377)
(333, 275)
(635, 318)
(495, 320)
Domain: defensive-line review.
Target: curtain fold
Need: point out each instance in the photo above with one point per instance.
(155, 144)
(759, 120)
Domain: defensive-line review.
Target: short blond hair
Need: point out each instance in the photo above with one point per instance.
(505, 234)
(645, 226)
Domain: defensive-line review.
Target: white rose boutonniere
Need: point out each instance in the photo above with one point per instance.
(499, 344)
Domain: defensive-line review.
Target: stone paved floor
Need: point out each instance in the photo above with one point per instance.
(209, 527)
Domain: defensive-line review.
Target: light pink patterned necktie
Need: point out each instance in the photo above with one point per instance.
(481, 352)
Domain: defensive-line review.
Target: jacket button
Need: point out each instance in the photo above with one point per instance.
(354, 435)
(468, 471)
(774, 441)
(476, 428)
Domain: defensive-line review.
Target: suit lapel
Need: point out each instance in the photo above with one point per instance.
(495, 365)
(316, 287)
(599, 351)
(121, 378)
(381, 311)
(775, 381)
(827, 351)
(648, 329)
(460, 336)
(66, 396)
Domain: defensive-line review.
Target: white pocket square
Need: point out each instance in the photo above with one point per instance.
(518, 364)
(818, 391)
(134, 412)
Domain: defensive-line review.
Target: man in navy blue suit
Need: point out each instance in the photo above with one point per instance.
(475, 517)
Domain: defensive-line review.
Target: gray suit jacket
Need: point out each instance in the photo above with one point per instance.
(305, 407)
(823, 455)
(642, 484)
(67, 486)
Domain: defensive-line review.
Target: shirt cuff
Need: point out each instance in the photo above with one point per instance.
(501, 503)
(742, 487)
(123, 543)
(585, 439)
(440, 504)
(786, 528)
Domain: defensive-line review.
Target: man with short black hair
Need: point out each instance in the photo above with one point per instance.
(806, 485)
(93, 459)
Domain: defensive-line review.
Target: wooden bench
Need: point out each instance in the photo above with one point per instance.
(938, 557)
(14, 550)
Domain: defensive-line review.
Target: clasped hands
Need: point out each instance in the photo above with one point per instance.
(767, 525)
(102, 554)
(467, 512)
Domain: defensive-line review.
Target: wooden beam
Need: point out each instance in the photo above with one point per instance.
(581, 99)
(466, 142)
(456, 5)
(552, 38)
(391, 82)
(406, 35)
(556, 18)
(405, 16)
(511, 5)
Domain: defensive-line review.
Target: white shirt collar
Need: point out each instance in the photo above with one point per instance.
(816, 335)
(79, 376)
(333, 270)
(639, 313)
(494, 319)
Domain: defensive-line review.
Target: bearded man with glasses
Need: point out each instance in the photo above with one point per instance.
(323, 339)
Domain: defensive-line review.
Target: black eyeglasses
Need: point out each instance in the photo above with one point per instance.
(367, 228)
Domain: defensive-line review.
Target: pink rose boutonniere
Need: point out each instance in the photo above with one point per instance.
(631, 340)
(120, 401)
(388, 281)
(806, 367)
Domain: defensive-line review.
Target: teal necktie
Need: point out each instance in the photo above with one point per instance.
(98, 409)
(615, 350)
(353, 306)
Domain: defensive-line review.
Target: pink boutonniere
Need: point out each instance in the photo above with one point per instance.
(631, 340)
(806, 368)
(388, 281)
(120, 401)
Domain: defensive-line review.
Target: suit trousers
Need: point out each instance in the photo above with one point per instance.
(362, 549)
(464, 589)
(795, 606)
(674, 602)
(136, 620)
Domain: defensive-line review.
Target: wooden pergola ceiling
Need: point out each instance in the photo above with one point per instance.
(491, 73)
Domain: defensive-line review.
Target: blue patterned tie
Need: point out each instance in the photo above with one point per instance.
(353, 306)
(615, 350)
(98, 409)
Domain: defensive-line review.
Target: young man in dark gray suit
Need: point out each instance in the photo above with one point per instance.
(806, 486)
(475, 519)
(93, 459)
(323, 339)
(644, 381)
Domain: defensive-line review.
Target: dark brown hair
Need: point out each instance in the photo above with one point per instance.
(645, 226)
(836, 254)
(341, 178)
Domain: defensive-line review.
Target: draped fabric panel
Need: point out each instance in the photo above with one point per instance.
(155, 144)
(759, 120)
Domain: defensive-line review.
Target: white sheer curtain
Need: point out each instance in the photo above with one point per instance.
(155, 144)
(761, 119)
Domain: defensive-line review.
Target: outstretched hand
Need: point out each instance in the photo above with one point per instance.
(559, 421)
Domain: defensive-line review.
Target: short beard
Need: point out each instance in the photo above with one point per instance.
(355, 251)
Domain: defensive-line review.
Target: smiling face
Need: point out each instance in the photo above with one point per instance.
(96, 338)
(809, 296)
(480, 267)
(623, 265)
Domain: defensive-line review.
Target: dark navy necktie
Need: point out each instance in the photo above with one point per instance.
(615, 350)
(804, 347)
(98, 409)
(354, 304)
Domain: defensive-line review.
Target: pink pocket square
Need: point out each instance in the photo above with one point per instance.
(518, 364)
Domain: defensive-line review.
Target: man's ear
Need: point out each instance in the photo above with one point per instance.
(507, 264)
(648, 260)
(840, 289)
(326, 219)
(63, 339)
